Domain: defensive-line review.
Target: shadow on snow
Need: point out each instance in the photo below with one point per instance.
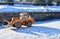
(38, 29)
(1, 27)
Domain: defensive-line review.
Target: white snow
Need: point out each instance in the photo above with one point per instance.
(1, 6)
(50, 24)
(34, 32)
(29, 7)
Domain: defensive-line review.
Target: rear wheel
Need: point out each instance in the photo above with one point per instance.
(29, 24)
(18, 25)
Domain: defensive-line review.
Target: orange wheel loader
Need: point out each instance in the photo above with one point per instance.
(23, 20)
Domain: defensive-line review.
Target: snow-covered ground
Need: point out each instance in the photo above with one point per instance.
(39, 30)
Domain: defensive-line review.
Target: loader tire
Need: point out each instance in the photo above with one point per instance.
(29, 24)
(18, 25)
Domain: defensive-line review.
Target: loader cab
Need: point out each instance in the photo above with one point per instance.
(24, 16)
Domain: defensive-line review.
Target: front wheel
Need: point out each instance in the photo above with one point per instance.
(29, 24)
(18, 25)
